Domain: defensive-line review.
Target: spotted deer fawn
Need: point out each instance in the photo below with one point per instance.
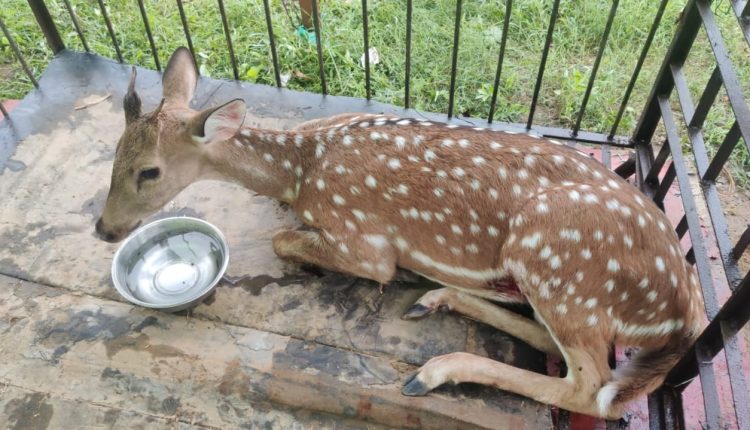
(492, 216)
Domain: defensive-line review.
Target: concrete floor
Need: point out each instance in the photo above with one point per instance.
(274, 346)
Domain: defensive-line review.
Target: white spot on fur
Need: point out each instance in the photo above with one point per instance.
(613, 265)
(531, 241)
(439, 192)
(545, 253)
(347, 140)
(659, 264)
(359, 214)
(308, 216)
(370, 181)
(609, 285)
(458, 172)
(569, 234)
(456, 229)
(590, 198)
(339, 200)
(472, 248)
(561, 309)
(542, 208)
(463, 143)
(394, 163)
(440, 239)
(429, 155)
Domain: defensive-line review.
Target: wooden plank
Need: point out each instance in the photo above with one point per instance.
(86, 349)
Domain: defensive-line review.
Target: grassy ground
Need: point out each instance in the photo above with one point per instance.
(576, 41)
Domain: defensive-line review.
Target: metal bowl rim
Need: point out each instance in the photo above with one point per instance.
(120, 289)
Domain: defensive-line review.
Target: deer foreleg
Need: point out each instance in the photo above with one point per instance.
(354, 256)
(482, 310)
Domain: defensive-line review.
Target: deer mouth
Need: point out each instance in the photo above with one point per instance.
(113, 235)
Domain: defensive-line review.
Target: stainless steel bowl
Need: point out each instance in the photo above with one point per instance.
(170, 264)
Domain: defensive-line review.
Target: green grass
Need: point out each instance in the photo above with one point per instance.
(576, 40)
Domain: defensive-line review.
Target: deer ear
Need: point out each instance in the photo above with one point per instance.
(220, 123)
(180, 77)
(131, 103)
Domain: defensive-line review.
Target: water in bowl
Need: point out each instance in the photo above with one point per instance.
(173, 267)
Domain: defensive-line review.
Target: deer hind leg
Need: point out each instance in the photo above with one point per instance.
(356, 256)
(576, 392)
(482, 310)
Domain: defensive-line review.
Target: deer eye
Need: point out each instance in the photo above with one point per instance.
(148, 174)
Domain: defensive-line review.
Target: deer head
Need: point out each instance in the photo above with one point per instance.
(162, 152)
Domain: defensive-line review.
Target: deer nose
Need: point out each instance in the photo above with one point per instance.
(104, 235)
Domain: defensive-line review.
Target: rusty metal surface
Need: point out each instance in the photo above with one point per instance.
(56, 188)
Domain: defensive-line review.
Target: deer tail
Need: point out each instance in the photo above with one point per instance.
(642, 375)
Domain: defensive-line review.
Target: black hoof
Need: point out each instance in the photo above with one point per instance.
(416, 311)
(414, 387)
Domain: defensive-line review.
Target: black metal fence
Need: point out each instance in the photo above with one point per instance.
(665, 406)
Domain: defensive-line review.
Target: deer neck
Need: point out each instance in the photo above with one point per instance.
(269, 162)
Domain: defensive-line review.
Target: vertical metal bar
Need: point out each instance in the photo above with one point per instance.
(183, 18)
(3, 111)
(685, 35)
(408, 53)
(47, 25)
(318, 47)
(736, 375)
(743, 16)
(454, 60)
(149, 35)
(272, 42)
(682, 227)
(691, 213)
(77, 25)
(366, 36)
(724, 63)
(711, 403)
(656, 410)
(543, 63)
(228, 37)
(707, 99)
(710, 193)
(17, 53)
(595, 69)
(501, 55)
(639, 64)
(606, 157)
(666, 183)
(742, 244)
(723, 153)
(110, 30)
